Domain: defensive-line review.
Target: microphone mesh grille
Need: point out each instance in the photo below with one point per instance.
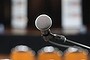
(43, 22)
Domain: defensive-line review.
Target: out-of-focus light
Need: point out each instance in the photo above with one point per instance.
(71, 16)
(19, 14)
(49, 53)
(73, 53)
(22, 52)
(19, 18)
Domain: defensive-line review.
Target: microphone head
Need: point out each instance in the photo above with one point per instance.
(43, 22)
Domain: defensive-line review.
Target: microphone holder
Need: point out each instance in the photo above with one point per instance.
(63, 38)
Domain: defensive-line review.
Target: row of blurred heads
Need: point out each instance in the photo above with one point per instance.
(22, 52)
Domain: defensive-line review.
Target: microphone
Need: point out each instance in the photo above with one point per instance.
(43, 23)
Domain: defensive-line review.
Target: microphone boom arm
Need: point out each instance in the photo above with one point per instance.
(82, 45)
(61, 37)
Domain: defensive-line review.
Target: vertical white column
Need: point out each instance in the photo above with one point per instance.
(19, 14)
(71, 16)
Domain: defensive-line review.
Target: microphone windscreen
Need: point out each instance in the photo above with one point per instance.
(43, 22)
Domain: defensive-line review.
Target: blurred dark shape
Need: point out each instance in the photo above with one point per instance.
(2, 28)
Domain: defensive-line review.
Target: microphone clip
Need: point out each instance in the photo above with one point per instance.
(47, 36)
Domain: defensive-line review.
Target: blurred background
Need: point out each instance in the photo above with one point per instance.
(70, 18)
